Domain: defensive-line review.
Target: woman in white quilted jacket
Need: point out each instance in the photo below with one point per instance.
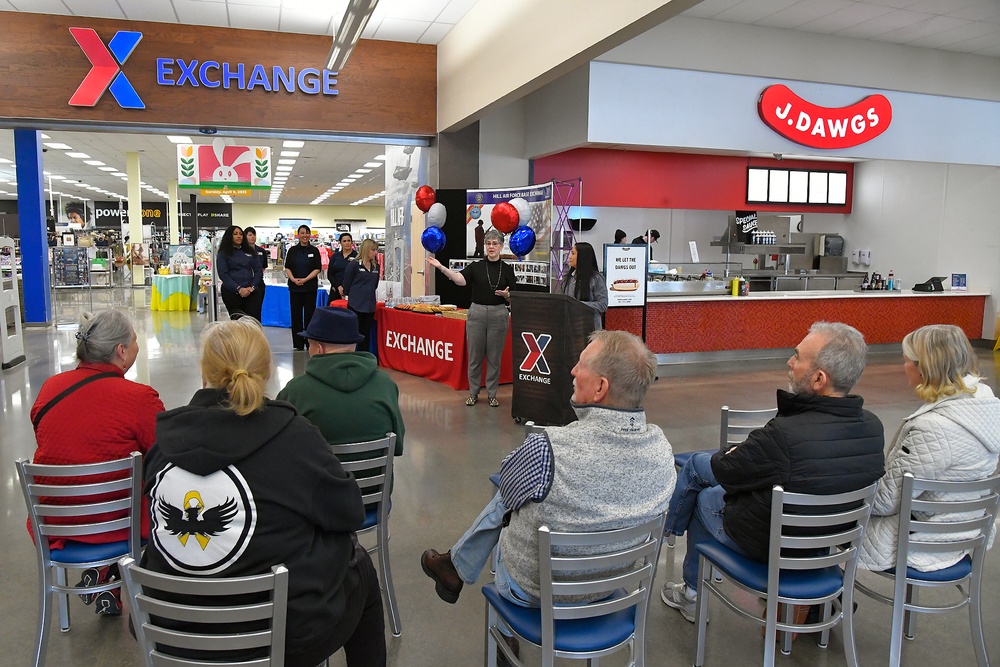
(954, 435)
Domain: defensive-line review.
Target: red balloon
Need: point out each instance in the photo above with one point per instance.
(425, 197)
(504, 217)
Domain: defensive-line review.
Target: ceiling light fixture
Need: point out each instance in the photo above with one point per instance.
(174, 139)
(286, 161)
(81, 156)
(292, 144)
(93, 163)
(373, 165)
(289, 153)
(349, 32)
(59, 146)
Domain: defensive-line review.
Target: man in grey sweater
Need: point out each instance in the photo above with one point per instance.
(608, 470)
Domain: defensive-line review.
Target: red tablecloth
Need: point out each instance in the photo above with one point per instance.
(430, 346)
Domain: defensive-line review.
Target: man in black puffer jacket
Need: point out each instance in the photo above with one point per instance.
(821, 441)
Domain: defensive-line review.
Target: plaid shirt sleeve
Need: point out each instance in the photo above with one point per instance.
(526, 473)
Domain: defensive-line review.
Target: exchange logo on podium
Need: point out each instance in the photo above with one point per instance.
(535, 359)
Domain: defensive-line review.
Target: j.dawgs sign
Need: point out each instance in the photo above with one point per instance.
(823, 127)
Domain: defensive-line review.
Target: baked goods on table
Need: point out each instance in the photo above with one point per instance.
(427, 308)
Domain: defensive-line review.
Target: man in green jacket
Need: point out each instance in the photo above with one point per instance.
(343, 392)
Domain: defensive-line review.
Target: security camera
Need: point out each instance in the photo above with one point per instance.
(778, 156)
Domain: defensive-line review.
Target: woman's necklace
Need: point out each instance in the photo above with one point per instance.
(499, 275)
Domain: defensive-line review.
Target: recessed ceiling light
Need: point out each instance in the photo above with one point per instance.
(174, 139)
(282, 170)
(4, 160)
(350, 179)
(293, 144)
(289, 153)
(79, 156)
(373, 164)
(124, 178)
(286, 161)
(380, 157)
(59, 146)
(120, 174)
(93, 163)
(45, 136)
(109, 168)
(363, 171)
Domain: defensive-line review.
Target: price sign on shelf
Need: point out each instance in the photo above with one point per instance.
(625, 272)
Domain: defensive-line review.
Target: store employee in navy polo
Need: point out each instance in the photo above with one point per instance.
(302, 265)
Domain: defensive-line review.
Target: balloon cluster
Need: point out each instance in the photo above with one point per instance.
(507, 217)
(513, 216)
(432, 238)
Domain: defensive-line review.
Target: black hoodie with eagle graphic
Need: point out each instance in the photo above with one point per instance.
(232, 496)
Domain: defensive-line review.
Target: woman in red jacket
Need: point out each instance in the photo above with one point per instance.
(103, 417)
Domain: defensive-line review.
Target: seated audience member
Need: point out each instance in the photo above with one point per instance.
(263, 483)
(821, 441)
(611, 469)
(343, 392)
(953, 436)
(92, 414)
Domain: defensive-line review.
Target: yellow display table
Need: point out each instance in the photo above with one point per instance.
(172, 293)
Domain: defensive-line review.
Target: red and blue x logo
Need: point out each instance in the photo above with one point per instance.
(535, 359)
(106, 70)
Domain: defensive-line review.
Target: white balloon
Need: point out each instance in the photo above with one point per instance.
(523, 210)
(436, 215)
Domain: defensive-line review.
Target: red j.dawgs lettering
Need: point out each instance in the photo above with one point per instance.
(823, 127)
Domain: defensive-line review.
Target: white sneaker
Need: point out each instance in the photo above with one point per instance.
(675, 595)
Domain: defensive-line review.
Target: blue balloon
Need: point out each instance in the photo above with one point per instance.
(522, 241)
(433, 239)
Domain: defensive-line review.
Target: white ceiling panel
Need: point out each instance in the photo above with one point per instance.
(802, 12)
(237, 5)
(401, 30)
(307, 22)
(845, 17)
(106, 9)
(252, 17)
(980, 45)
(435, 33)
(40, 6)
(370, 28)
(414, 11)
(709, 9)
(143, 10)
(941, 7)
(455, 10)
(981, 10)
(198, 12)
(992, 52)
(894, 20)
(751, 12)
(927, 26)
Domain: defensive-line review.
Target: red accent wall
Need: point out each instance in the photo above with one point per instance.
(749, 324)
(640, 179)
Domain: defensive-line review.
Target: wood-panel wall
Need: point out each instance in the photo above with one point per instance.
(386, 87)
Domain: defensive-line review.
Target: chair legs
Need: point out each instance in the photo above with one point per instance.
(386, 572)
(701, 612)
(847, 609)
(976, 621)
(62, 600)
(490, 650)
(44, 615)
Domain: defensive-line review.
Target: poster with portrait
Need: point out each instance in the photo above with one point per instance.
(479, 207)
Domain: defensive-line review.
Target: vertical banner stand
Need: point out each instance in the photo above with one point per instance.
(11, 346)
(565, 194)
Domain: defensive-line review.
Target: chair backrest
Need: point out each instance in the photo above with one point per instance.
(618, 572)
(371, 463)
(737, 424)
(201, 616)
(812, 532)
(959, 518)
(65, 501)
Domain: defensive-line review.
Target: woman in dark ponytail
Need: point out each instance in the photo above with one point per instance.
(584, 281)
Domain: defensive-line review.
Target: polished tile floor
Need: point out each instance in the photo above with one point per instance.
(440, 486)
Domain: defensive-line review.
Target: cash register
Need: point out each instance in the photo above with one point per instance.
(931, 285)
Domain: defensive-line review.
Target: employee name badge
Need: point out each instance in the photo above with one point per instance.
(625, 269)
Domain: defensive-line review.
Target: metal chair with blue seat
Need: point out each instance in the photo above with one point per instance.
(930, 535)
(194, 617)
(812, 560)
(55, 493)
(586, 630)
(371, 463)
(735, 427)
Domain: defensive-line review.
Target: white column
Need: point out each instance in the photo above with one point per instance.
(173, 213)
(134, 213)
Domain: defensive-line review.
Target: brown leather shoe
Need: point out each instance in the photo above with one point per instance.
(447, 583)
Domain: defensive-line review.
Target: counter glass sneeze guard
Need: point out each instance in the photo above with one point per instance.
(680, 278)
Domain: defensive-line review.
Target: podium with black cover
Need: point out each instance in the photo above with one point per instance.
(549, 331)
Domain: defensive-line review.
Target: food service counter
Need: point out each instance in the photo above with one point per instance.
(777, 320)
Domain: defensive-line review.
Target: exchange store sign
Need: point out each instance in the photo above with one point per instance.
(108, 59)
(625, 271)
(823, 127)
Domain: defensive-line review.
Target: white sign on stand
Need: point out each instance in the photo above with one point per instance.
(11, 346)
(625, 268)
